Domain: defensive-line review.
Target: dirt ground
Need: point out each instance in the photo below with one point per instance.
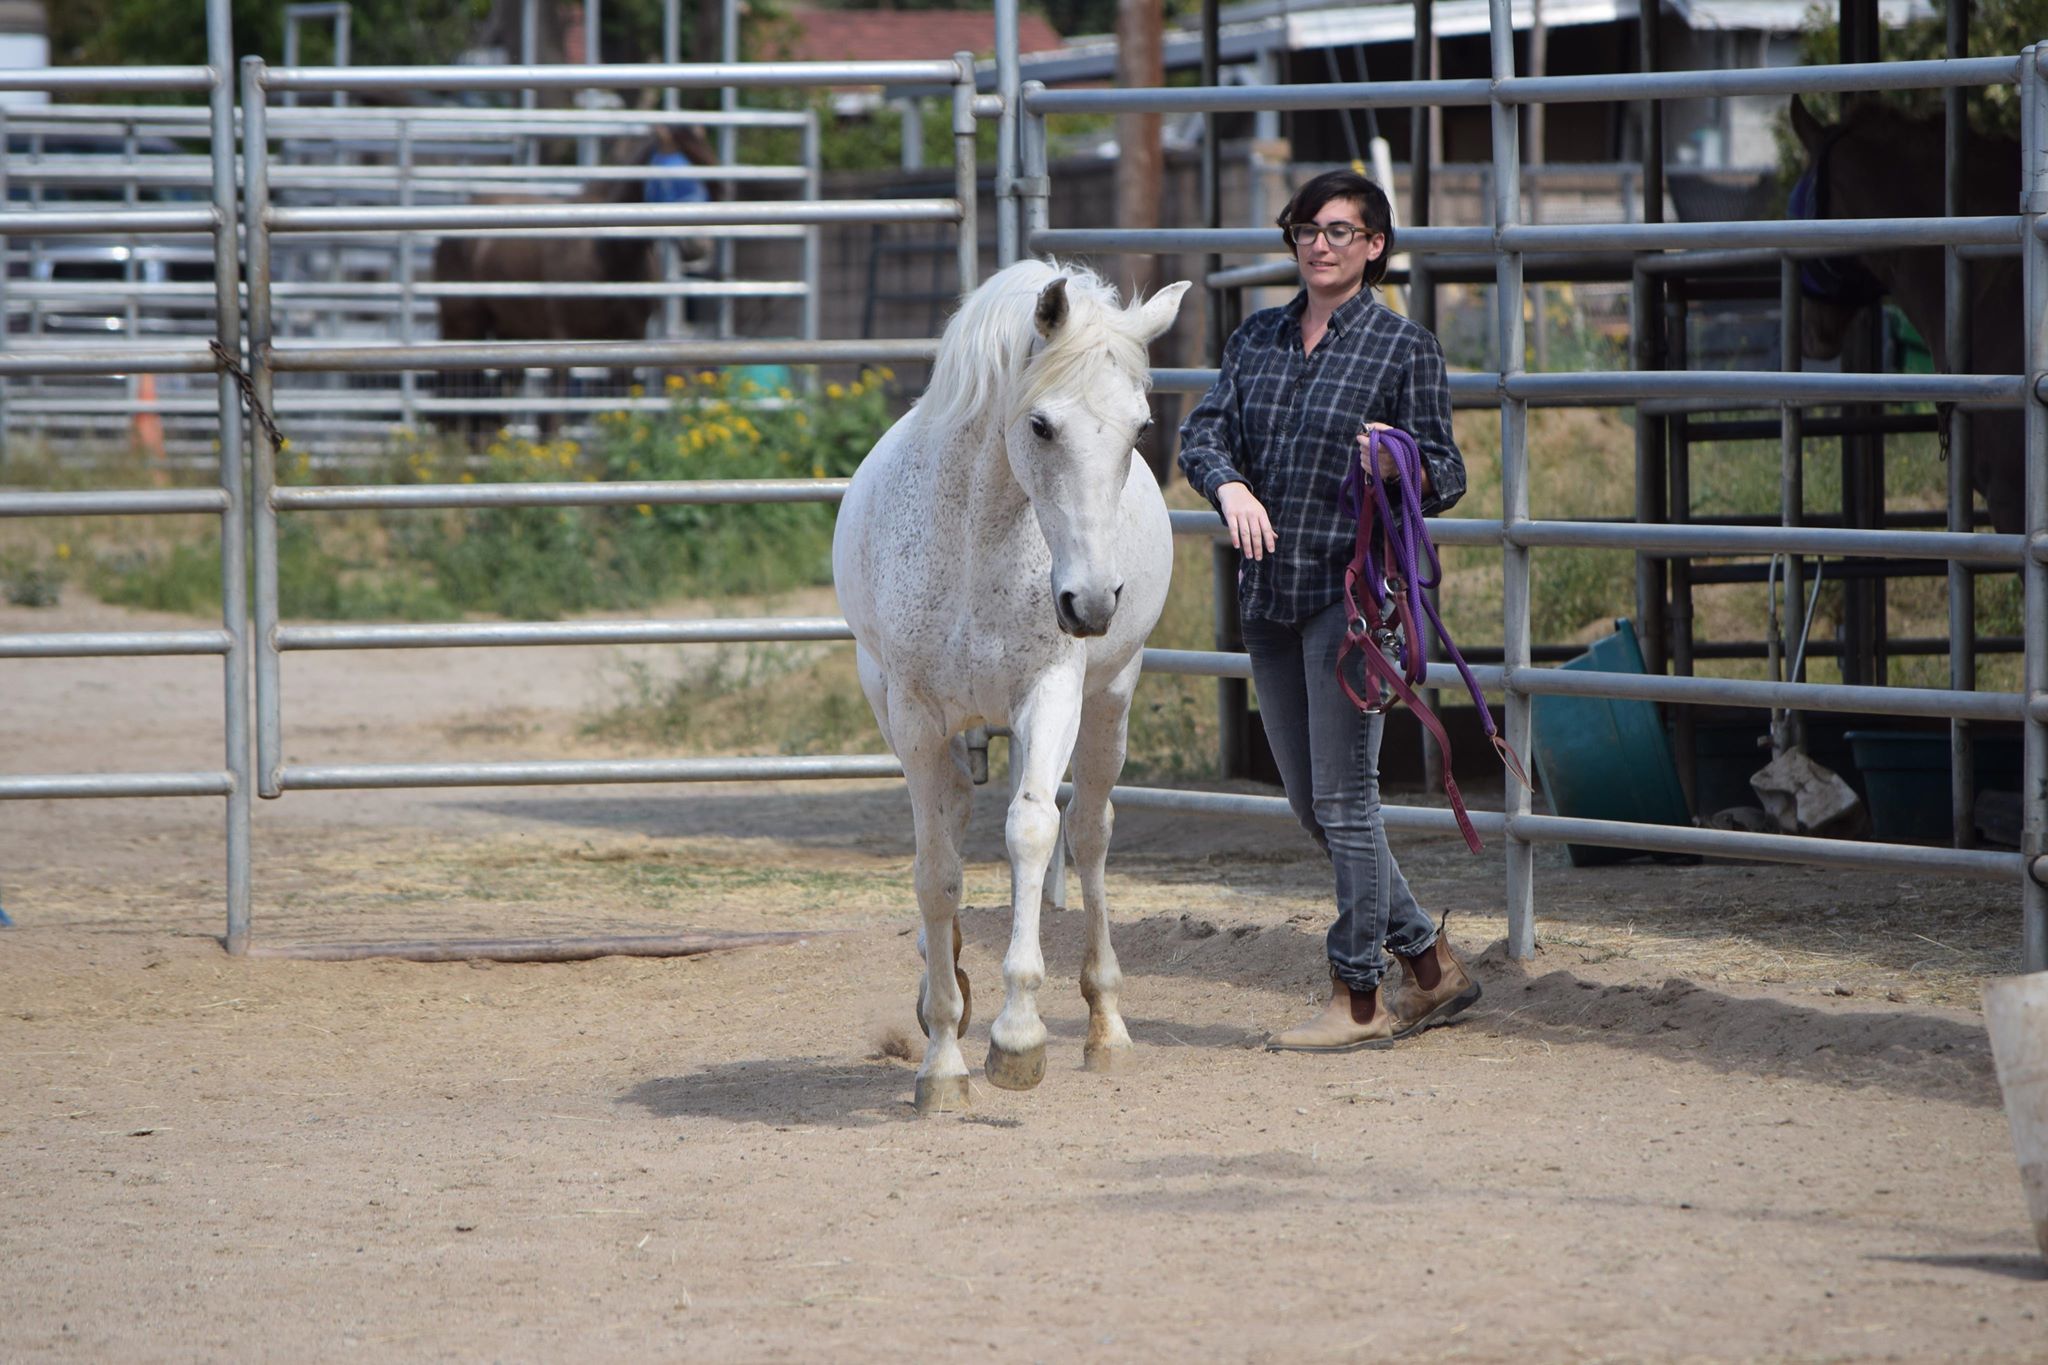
(1729, 1112)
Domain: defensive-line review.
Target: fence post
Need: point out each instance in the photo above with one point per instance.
(1035, 176)
(408, 382)
(1007, 88)
(1787, 728)
(1514, 480)
(1962, 581)
(966, 178)
(263, 465)
(2034, 210)
(234, 519)
(813, 249)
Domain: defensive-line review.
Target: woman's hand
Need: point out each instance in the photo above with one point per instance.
(1251, 530)
(1386, 471)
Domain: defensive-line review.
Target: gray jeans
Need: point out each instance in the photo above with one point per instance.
(1328, 753)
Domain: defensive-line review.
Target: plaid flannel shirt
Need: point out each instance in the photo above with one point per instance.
(1286, 426)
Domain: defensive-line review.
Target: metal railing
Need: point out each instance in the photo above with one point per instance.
(1516, 532)
(1024, 187)
(228, 501)
(268, 358)
(323, 295)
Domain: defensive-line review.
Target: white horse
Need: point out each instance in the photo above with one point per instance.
(1001, 557)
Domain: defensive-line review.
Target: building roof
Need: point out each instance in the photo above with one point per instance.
(829, 35)
(1249, 30)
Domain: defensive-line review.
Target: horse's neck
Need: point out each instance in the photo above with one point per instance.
(972, 490)
(1914, 279)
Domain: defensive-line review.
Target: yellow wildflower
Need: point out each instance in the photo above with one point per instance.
(644, 510)
(802, 420)
(674, 383)
(636, 391)
(886, 372)
(63, 549)
(835, 392)
(468, 477)
(817, 471)
(784, 394)
(706, 377)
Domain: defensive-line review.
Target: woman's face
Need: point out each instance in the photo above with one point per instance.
(1331, 270)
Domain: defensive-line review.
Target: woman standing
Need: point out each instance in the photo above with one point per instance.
(1269, 446)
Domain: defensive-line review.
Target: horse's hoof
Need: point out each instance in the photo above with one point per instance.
(1015, 1070)
(941, 1094)
(1108, 1058)
(966, 1003)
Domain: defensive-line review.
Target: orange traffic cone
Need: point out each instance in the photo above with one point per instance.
(147, 430)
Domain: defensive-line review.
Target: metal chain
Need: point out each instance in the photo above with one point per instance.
(257, 411)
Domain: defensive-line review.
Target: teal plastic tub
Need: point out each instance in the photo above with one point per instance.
(1906, 779)
(1603, 758)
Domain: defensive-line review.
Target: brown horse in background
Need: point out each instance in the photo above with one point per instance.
(1880, 163)
(596, 261)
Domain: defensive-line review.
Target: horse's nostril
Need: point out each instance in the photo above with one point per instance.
(1067, 607)
(1117, 596)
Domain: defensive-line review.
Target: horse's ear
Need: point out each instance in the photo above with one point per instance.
(1051, 314)
(1157, 313)
(1809, 129)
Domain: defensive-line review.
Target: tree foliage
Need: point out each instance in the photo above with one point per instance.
(1997, 28)
(173, 32)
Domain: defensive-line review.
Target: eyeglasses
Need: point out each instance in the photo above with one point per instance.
(1339, 235)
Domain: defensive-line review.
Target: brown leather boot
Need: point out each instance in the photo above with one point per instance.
(1351, 1020)
(1453, 991)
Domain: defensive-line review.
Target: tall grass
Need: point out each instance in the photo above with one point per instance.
(537, 563)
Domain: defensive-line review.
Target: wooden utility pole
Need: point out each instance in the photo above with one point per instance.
(1140, 180)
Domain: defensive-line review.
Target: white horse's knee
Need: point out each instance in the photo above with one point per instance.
(938, 882)
(1032, 829)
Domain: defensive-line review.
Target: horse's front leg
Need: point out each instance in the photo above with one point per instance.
(1098, 759)
(939, 795)
(1042, 736)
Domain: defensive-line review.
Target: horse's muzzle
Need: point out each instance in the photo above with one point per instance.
(1085, 614)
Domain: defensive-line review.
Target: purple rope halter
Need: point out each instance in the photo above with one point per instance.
(1384, 590)
(1408, 535)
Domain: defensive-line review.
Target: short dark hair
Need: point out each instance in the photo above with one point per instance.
(1373, 210)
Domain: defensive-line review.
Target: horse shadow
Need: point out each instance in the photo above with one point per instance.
(782, 1092)
(2022, 1265)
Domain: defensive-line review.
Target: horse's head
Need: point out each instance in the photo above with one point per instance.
(1042, 376)
(1079, 410)
(1836, 288)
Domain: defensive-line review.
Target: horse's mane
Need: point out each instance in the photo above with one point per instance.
(986, 351)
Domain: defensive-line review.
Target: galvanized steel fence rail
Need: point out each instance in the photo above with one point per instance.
(1515, 391)
(228, 501)
(1024, 187)
(274, 776)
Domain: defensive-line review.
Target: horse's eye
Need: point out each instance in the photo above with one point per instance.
(1041, 428)
(1147, 429)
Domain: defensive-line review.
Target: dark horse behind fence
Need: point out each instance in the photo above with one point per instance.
(594, 260)
(1880, 163)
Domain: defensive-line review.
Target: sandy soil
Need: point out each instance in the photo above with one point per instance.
(1729, 1112)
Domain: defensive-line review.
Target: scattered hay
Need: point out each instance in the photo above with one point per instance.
(894, 1045)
